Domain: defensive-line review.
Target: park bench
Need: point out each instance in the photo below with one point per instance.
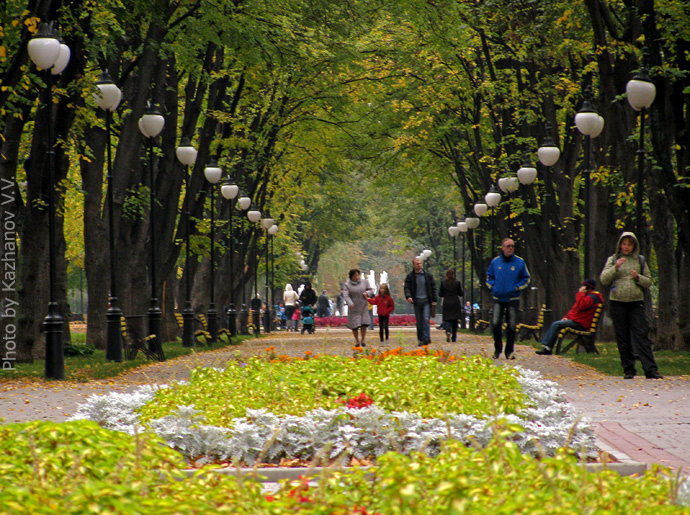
(201, 336)
(480, 325)
(583, 339)
(525, 331)
(222, 331)
(132, 344)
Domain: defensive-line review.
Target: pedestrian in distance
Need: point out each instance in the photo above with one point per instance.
(628, 277)
(506, 278)
(579, 317)
(384, 305)
(290, 298)
(323, 305)
(356, 291)
(420, 291)
(308, 296)
(451, 292)
(307, 319)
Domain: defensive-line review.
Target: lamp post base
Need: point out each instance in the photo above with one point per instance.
(212, 316)
(548, 319)
(256, 320)
(188, 325)
(232, 320)
(244, 319)
(113, 348)
(155, 315)
(55, 360)
(267, 320)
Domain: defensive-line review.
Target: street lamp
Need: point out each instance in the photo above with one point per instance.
(641, 92)
(590, 124)
(492, 199)
(472, 223)
(548, 154)
(186, 154)
(229, 190)
(108, 98)
(267, 223)
(151, 124)
(453, 232)
(213, 173)
(527, 173)
(47, 53)
(243, 204)
(462, 229)
(272, 232)
(254, 216)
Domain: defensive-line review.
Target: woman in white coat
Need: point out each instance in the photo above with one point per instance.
(290, 298)
(355, 292)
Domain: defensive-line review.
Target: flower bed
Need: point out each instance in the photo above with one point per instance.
(333, 409)
(394, 320)
(77, 467)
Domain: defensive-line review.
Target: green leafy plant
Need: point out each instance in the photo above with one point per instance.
(425, 385)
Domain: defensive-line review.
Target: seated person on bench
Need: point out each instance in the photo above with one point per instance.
(579, 317)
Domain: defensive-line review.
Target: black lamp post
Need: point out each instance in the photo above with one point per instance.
(151, 124)
(462, 229)
(213, 173)
(108, 99)
(590, 124)
(472, 223)
(267, 223)
(47, 53)
(254, 216)
(272, 231)
(243, 204)
(229, 190)
(641, 92)
(453, 233)
(492, 200)
(186, 154)
(548, 154)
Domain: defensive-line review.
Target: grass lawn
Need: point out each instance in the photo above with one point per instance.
(671, 363)
(95, 366)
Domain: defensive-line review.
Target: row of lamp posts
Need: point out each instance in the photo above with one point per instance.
(52, 56)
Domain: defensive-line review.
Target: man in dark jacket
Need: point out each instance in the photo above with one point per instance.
(323, 307)
(308, 296)
(506, 277)
(421, 292)
(579, 317)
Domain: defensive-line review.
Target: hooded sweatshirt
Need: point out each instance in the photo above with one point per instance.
(623, 287)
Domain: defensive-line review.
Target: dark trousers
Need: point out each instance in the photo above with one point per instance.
(452, 328)
(630, 324)
(507, 311)
(383, 327)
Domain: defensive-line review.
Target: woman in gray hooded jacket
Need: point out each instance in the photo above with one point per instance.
(628, 276)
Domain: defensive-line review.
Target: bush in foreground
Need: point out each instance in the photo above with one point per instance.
(77, 467)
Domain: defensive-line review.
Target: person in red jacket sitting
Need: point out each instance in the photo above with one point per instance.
(385, 305)
(579, 317)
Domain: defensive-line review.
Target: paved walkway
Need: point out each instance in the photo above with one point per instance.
(639, 420)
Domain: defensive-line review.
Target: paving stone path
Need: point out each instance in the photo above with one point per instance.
(637, 420)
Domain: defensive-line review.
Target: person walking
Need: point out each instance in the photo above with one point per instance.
(356, 291)
(323, 305)
(579, 317)
(628, 276)
(290, 298)
(451, 293)
(506, 278)
(420, 291)
(308, 296)
(384, 305)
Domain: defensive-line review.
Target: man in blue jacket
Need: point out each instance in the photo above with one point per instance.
(506, 277)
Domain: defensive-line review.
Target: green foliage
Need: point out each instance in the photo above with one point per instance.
(94, 366)
(78, 467)
(136, 203)
(78, 350)
(429, 386)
